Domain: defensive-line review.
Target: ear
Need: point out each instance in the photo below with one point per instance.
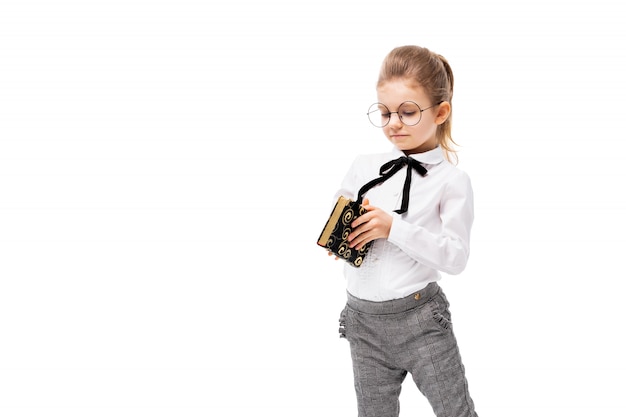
(443, 112)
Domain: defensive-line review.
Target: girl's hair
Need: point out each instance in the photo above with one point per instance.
(433, 73)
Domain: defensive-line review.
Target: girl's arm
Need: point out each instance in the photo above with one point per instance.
(446, 250)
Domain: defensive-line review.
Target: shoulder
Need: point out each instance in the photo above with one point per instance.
(453, 180)
(453, 172)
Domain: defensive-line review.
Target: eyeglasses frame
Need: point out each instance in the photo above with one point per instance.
(400, 117)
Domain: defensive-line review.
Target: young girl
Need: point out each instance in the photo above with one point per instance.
(418, 220)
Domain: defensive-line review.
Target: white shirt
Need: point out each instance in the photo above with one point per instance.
(432, 236)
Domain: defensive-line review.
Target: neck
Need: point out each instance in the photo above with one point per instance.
(408, 152)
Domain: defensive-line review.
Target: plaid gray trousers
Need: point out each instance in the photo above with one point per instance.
(410, 335)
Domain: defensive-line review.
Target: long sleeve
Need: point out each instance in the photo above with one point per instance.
(445, 244)
(350, 184)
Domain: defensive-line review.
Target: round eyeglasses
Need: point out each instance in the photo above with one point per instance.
(409, 113)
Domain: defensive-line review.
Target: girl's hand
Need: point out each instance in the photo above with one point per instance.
(374, 224)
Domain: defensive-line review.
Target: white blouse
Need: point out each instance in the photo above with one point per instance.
(432, 236)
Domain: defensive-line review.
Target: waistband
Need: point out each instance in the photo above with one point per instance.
(394, 306)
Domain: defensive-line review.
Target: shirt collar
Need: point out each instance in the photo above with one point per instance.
(432, 157)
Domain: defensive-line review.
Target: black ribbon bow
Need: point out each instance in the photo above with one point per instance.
(388, 170)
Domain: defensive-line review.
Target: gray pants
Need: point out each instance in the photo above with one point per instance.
(410, 335)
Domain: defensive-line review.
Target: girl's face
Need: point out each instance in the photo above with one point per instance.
(422, 136)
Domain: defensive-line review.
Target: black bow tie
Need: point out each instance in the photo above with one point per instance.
(388, 170)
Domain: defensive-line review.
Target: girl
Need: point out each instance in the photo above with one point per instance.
(396, 316)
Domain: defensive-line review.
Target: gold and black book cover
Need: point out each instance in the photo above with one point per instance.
(334, 236)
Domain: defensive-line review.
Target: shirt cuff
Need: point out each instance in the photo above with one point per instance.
(399, 233)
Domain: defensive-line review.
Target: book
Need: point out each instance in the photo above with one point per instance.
(334, 236)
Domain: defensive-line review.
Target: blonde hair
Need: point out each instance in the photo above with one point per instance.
(433, 73)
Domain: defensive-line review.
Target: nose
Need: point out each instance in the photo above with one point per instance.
(396, 121)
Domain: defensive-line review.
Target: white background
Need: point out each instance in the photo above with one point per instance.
(166, 168)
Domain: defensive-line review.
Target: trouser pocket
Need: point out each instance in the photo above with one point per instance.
(342, 323)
